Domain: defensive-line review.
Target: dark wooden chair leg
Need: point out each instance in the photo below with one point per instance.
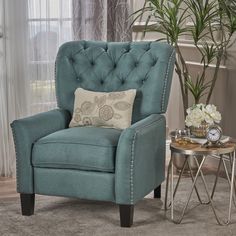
(27, 204)
(126, 215)
(157, 192)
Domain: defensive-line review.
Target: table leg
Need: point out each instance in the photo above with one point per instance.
(217, 176)
(228, 178)
(207, 191)
(190, 194)
(167, 182)
(226, 172)
(180, 175)
(230, 158)
(195, 187)
(231, 189)
(171, 166)
(172, 189)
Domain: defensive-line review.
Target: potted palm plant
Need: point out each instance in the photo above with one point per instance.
(209, 24)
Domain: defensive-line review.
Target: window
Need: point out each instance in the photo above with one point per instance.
(49, 26)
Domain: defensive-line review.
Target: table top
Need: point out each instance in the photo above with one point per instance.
(197, 149)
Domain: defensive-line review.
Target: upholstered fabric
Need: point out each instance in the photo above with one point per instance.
(91, 185)
(107, 67)
(140, 159)
(100, 109)
(27, 131)
(81, 148)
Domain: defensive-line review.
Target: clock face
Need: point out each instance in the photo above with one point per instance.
(213, 134)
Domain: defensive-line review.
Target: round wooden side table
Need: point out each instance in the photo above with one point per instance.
(199, 153)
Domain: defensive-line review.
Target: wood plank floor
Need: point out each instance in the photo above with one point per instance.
(7, 188)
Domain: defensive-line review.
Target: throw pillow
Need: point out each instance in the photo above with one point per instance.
(109, 110)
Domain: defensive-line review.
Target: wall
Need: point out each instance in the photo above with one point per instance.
(229, 94)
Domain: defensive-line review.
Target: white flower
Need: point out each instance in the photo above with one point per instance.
(202, 113)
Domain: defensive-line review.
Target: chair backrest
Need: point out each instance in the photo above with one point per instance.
(116, 66)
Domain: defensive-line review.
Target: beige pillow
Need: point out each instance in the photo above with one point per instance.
(109, 110)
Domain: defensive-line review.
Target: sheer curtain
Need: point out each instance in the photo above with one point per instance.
(13, 79)
(33, 30)
(6, 157)
(49, 25)
(106, 20)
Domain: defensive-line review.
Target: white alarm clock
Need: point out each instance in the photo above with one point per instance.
(213, 135)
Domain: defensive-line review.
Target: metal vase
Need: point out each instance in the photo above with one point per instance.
(178, 161)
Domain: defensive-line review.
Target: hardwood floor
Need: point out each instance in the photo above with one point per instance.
(8, 188)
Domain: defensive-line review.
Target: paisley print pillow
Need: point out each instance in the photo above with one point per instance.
(109, 110)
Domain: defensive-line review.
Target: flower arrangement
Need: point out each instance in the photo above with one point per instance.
(200, 114)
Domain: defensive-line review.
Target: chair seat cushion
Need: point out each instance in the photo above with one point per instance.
(83, 148)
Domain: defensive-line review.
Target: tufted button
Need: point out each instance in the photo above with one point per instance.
(114, 66)
(92, 63)
(101, 81)
(72, 60)
(154, 62)
(136, 63)
(144, 80)
(105, 49)
(122, 81)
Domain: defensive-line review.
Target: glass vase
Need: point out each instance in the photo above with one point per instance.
(199, 132)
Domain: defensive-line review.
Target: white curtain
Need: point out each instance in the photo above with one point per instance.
(13, 103)
(49, 26)
(33, 30)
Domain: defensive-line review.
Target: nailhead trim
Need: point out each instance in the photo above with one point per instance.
(165, 81)
(56, 84)
(132, 170)
(17, 156)
(132, 157)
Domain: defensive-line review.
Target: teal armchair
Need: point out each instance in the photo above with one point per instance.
(121, 166)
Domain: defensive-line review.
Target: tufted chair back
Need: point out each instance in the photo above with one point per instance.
(106, 67)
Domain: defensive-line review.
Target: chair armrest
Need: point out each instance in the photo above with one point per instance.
(140, 159)
(25, 132)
